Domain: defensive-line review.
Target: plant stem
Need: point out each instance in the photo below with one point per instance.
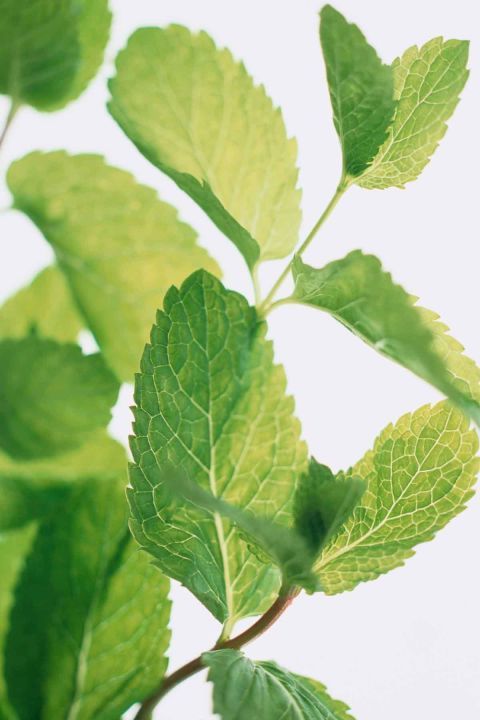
(191, 668)
(11, 115)
(342, 187)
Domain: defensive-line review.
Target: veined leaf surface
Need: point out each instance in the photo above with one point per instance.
(244, 689)
(419, 476)
(195, 113)
(211, 402)
(428, 83)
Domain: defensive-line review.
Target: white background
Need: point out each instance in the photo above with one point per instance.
(408, 644)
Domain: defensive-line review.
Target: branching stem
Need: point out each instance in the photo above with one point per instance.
(14, 107)
(191, 668)
(266, 305)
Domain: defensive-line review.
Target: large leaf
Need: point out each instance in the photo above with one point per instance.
(361, 90)
(44, 306)
(50, 49)
(195, 113)
(88, 629)
(361, 295)
(211, 401)
(419, 476)
(14, 547)
(243, 690)
(428, 82)
(118, 244)
(51, 396)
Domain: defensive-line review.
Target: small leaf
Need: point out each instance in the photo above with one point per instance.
(119, 246)
(419, 475)
(362, 296)
(14, 547)
(428, 82)
(90, 642)
(51, 396)
(194, 112)
(361, 90)
(281, 545)
(244, 689)
(211, 402)
(323, 503)
(45, 306)
(49, 51)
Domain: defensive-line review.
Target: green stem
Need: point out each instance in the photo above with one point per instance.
(191, 668)
(14, 107)
(266, 305)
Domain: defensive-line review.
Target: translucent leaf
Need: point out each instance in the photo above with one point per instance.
(419, 476)
(50, 49)
(88, 629)
(119, 246)
(244, 689)
(51, 396)
(361, 90)
(195, 113)
(361, 295)
(209, 400)
(428, 82)
(45, 306)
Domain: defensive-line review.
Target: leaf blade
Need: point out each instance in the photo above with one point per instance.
(361, 91)
(230, 429)
(359, 293)
(107, 231)
(419, 476)
(428, 82)
(243, 689)
(248, 188)
(52, 396)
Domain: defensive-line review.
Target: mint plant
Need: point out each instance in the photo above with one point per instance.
(222, 495)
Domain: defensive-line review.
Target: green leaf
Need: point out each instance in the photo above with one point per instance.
(244, 689)
(22, 501)
(283, 546)
(119, 246)
(211, 402)
(428, 82)
(419, 475)
(44, 306)
(194, 112)
(323, 503)
(90, 642)
(14, 546)
(362, 296)
(51, 396)
(361, 90)
(49, 51)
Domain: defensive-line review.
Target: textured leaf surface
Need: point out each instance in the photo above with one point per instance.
(195, 113)
(45, 306)
(281, 545)
(419, 476)
(51, 396)
(50, 49)
(118, 244)
(361, 90)
(211, 401)
(428, 82)
(14, 547)
(88, 642)
(243, 689)
(359, 293)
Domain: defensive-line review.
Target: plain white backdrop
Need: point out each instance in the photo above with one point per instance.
(408, 644)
